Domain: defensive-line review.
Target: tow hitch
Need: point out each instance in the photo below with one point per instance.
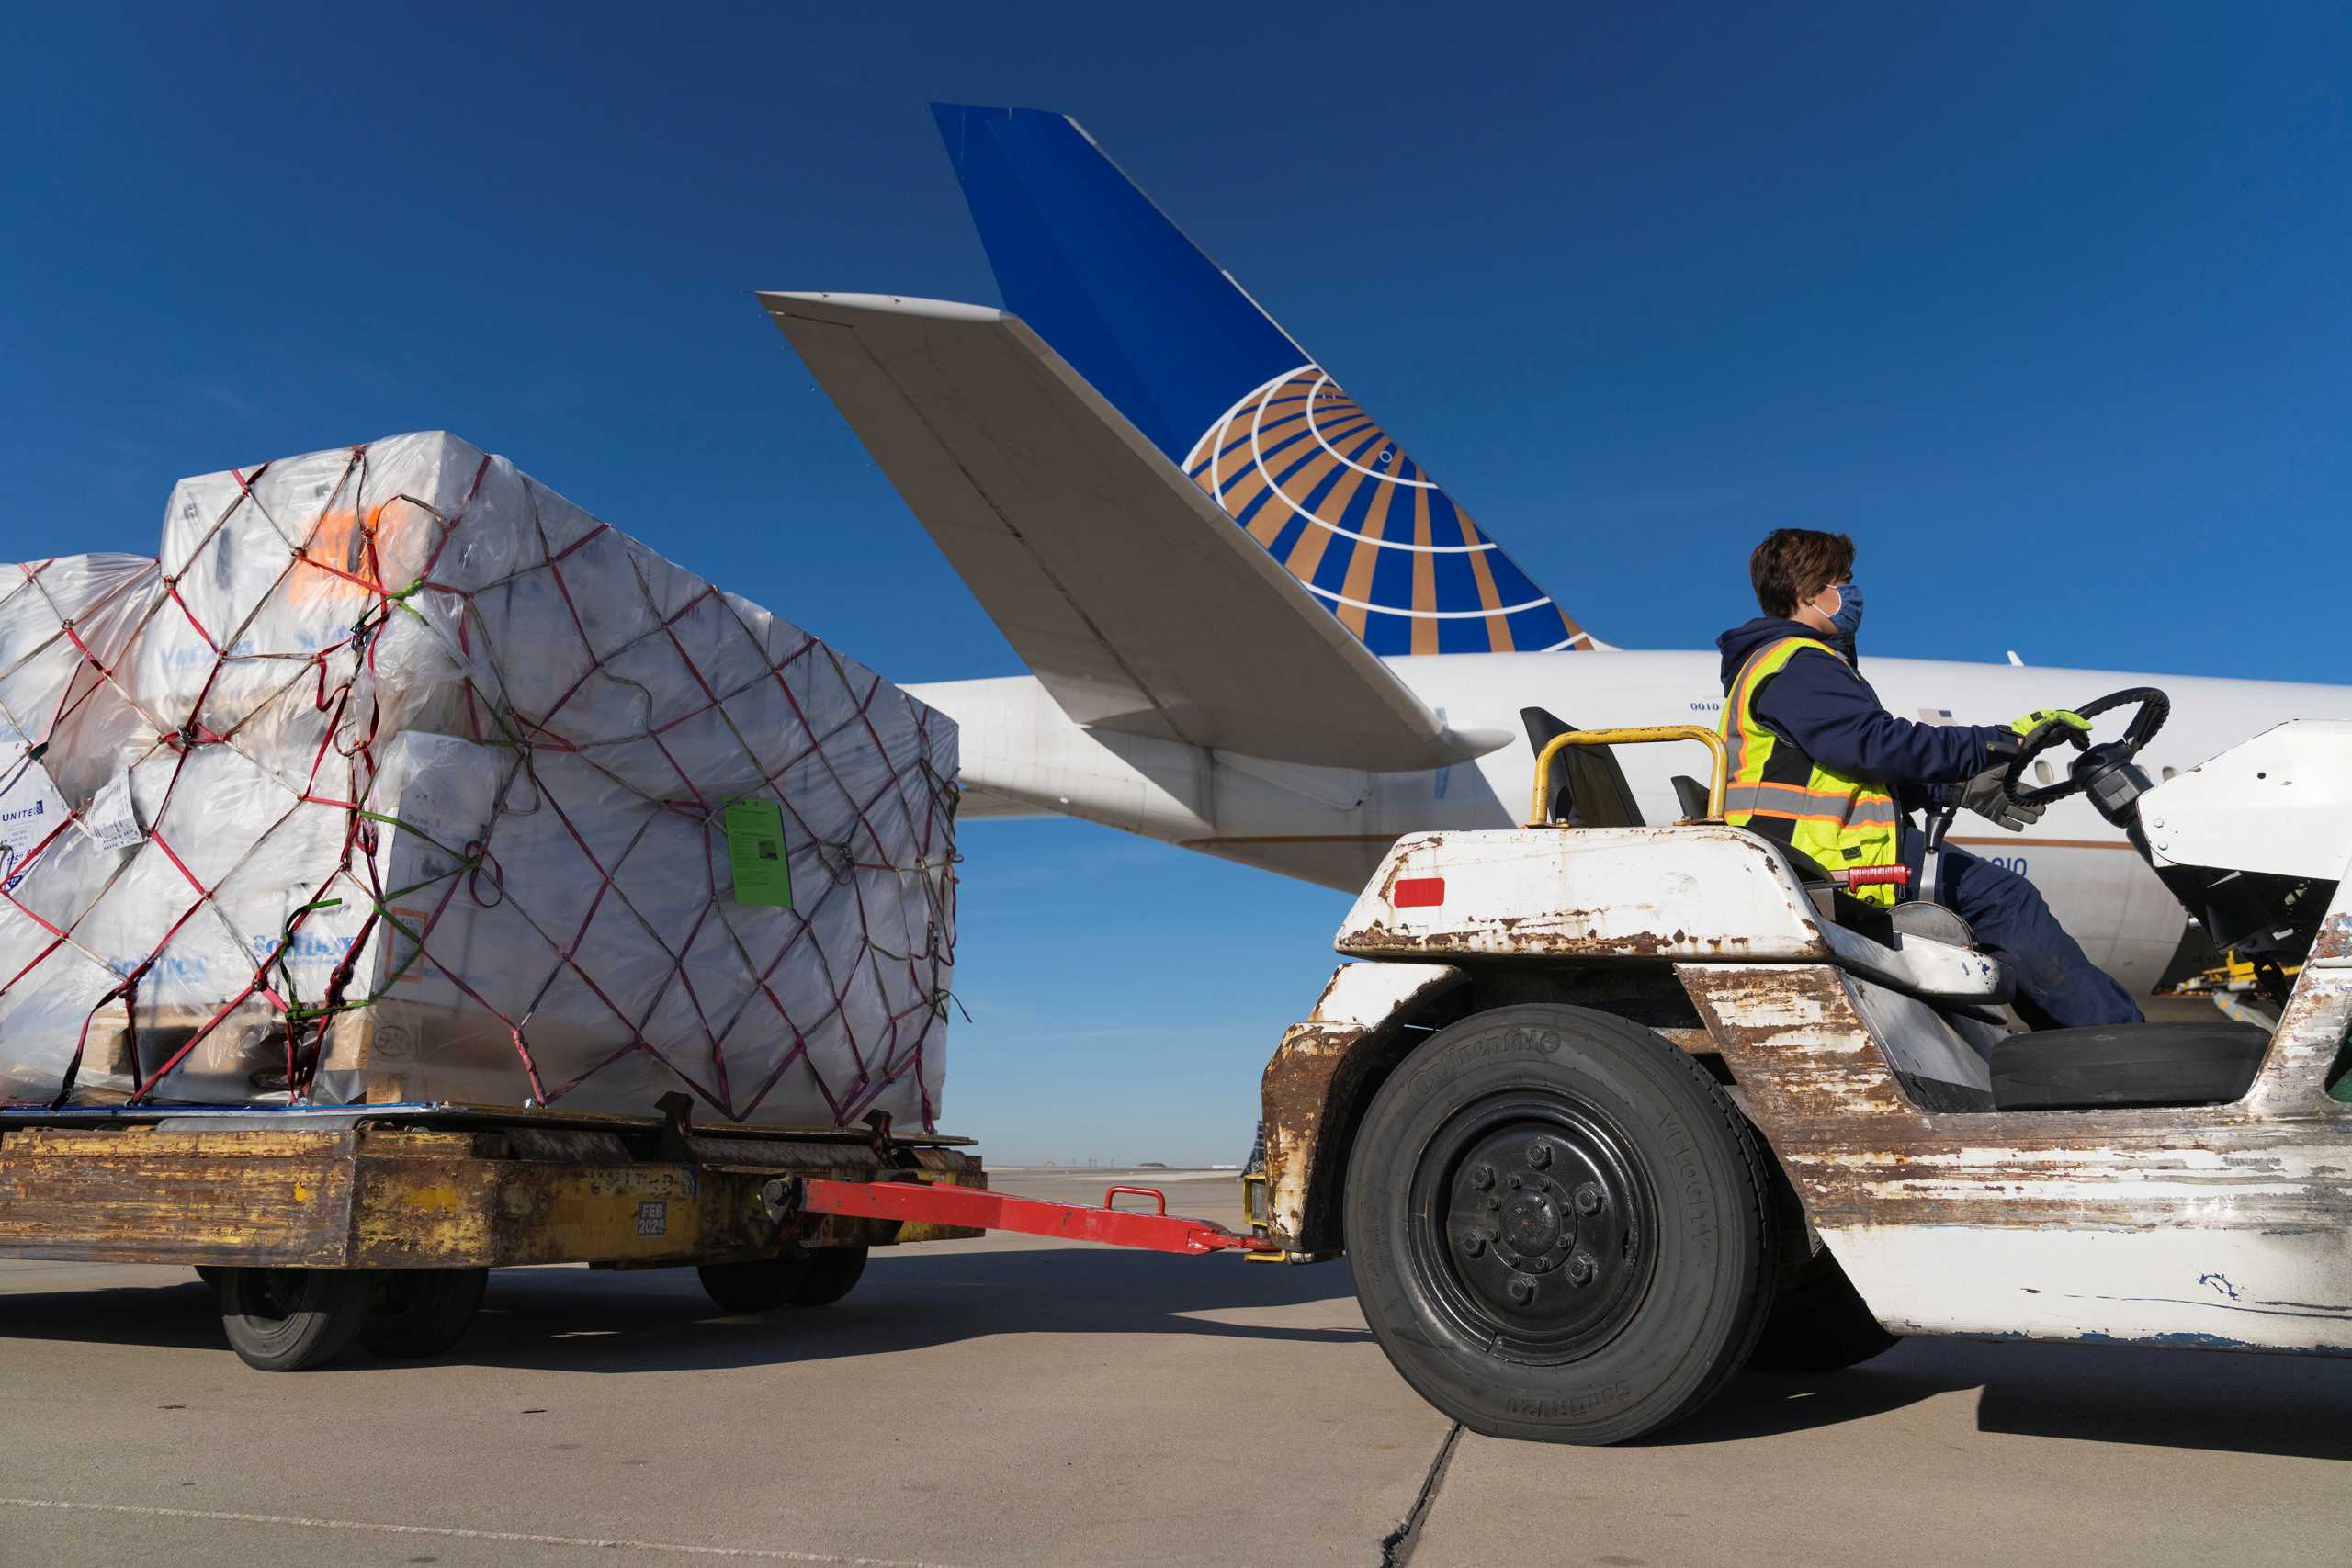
(787, 1197)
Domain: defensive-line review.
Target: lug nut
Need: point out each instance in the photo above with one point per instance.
(1522, 1289)
(1472, 1246)
(1539, 1155)
(1515, 1181)
(1588, 1199)
(1482, 1176)
(1581, 1268)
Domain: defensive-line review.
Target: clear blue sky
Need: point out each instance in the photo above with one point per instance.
(2047, 305)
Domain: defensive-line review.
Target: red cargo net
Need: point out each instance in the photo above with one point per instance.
(337, 551)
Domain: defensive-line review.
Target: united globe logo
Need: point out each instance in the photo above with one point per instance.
(1335, 498)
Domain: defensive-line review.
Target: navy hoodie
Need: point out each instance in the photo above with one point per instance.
(1823, 704)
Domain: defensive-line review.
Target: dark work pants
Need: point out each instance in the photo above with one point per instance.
(2058, 986)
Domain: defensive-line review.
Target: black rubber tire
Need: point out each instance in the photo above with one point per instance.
(830, 1273)
(1819, 1323)
(421, 1311)
(1686, 1240)
(759, 1284)
(289, 1320)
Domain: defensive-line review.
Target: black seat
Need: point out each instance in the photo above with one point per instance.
(1589, 789)
(2127, 1065)
(1831, 902)
(1931, 922)
(1692, 797)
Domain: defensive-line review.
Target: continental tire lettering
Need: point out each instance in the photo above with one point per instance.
(1455, 1060)
(1567, 1406)
(1690, 1180)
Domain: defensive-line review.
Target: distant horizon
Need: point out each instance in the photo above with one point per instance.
(1198, 1170)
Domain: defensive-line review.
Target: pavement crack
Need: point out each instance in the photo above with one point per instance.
(1396, 1547)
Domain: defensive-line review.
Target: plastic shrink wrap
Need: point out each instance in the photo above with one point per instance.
(439, 788)
(64, 625)
(64, 724)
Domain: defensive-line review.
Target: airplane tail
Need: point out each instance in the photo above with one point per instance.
(1180, 348)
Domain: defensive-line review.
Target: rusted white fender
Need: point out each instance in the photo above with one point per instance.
(1318, 1066)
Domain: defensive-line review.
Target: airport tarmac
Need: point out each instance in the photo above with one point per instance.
(1018, 1401)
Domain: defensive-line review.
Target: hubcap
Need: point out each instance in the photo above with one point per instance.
(1531, 1225)
(276, 1293)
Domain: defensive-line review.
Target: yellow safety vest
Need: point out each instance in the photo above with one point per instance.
(1776, 790)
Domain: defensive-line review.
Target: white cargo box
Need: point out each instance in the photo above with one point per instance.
(432, 792)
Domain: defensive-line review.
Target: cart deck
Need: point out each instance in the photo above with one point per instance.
(378, 1224)
(431, 1187)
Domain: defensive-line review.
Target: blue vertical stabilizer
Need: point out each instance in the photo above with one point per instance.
(1176, 345)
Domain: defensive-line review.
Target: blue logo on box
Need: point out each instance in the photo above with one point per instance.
(306, 947)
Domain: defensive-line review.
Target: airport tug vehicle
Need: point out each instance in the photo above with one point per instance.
(1609, 1111)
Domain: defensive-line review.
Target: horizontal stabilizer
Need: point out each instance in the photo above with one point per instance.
(1128, 591)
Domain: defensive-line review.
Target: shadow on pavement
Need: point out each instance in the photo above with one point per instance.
(184, 1317)
(1766, 1404)
(584, 1321)
(2289, 1406)
(590, 1321)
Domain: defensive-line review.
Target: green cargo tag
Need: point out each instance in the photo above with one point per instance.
(755, 851)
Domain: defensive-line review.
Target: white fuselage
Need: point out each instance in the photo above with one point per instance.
(1022, 756)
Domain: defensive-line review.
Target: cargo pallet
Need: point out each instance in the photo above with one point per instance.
(378, 1224)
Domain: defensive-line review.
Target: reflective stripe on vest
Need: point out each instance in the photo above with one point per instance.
(1776, 790)
(1810, 804)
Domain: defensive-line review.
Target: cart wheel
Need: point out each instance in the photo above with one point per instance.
(212, 1275)
(1819, 1325)
(761, 1284)
(1561, 1229)
(830, 1273)
(421, 1311)
(284, 1320)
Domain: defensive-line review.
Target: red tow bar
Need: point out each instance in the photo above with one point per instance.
(939, 1204)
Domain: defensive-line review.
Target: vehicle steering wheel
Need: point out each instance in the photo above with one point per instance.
(2154, 707)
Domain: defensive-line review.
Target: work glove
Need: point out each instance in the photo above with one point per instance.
(1984, 795)
(2039, 719)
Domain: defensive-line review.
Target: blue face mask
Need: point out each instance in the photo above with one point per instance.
(1848, 618)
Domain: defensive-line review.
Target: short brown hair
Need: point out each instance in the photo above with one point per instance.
(1794, 564)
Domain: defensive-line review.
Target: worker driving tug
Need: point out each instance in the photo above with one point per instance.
(1819, 766)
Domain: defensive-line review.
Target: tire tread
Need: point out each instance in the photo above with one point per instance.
(1722, 1123)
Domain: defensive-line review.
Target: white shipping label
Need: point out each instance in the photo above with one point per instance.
(30, 808)
(113, 818)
